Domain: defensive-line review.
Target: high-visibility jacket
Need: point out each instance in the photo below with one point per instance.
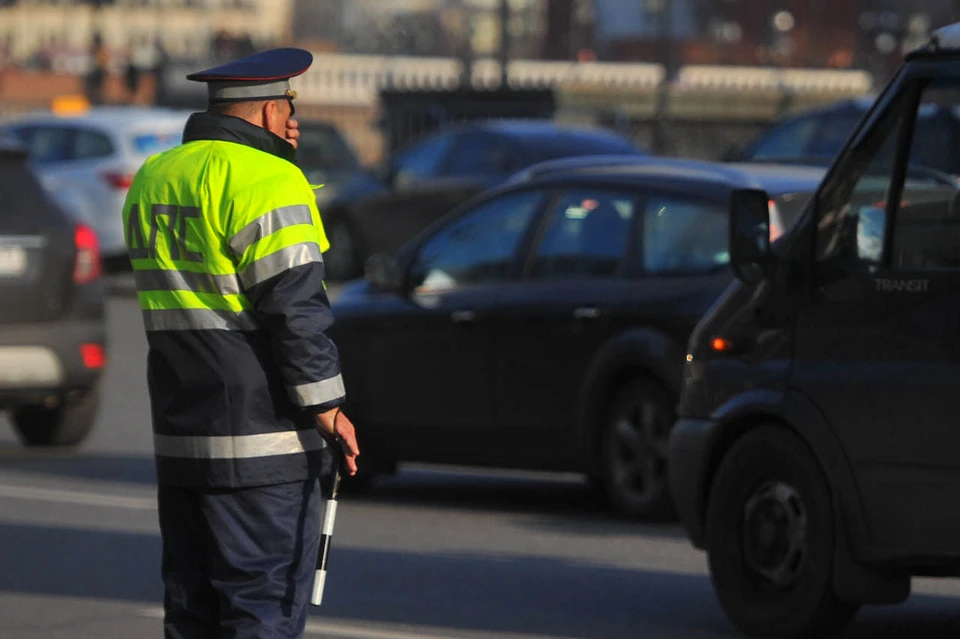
(225, 241)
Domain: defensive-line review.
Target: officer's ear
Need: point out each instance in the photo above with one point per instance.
(274, 119)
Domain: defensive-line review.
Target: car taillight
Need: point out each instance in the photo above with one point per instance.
(87, 266)
(93, 355)
(118, 180)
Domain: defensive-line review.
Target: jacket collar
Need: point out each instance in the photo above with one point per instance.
(227, 128)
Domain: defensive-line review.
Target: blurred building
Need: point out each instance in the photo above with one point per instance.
(58, 33)
(420, 27)
(866, 34)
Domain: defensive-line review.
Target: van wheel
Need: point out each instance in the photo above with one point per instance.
(65, 425)
(770, 539)
(633, 450)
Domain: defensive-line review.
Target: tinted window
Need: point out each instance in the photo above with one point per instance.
(787, 140)
(477, 248)
(478, 154)
(684, 235)
(935, 140)
(46, 144)
(424, 159)
(20, 193)
(323, 149)
(834, 131)
(88, 145)
(926, 232)
(851, 209)
(585, 236)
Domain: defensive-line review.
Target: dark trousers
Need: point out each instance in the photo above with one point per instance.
(239, 563)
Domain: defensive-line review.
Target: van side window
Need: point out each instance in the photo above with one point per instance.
(851, 208)
(854, 212)
(926, 229)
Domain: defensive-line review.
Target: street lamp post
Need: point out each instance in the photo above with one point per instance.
(663, 10)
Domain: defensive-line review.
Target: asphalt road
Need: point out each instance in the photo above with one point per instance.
(430, 553)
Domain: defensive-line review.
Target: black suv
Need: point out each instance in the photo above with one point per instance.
(542, 325)
(52, 336)
(816, 456)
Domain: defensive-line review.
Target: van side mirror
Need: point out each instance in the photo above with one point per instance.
(384, 273)
(750, 234)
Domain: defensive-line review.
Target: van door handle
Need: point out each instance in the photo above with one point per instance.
(587, 312)
(461, 317)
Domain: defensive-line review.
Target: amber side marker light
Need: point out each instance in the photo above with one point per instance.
(721, 345)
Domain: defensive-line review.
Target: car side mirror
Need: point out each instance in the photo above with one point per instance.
(384, 273)
(750, 252)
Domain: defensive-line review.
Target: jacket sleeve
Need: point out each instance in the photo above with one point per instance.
(277, 242)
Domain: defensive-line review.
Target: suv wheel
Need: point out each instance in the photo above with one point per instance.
(341, 258)
(65, 425)
(633, 449)
(770, 539)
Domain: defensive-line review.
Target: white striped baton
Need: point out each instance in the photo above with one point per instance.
(326, 534)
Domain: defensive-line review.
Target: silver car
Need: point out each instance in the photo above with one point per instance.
(86, 160)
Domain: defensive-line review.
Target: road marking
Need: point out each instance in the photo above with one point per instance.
(78, 497)
(343, 630)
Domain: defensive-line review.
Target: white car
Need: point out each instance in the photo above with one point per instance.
(87, 160)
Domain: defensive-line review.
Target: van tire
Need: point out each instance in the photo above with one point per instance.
(633, 451)
(770, 539)
(65, 425)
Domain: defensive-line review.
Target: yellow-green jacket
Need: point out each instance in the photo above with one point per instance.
(225, 240)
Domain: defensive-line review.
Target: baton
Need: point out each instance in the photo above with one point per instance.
(326, 533)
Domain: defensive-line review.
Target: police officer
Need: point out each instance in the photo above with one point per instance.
(225, 240)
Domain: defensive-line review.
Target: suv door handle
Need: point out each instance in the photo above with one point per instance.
(463, 316)
(587, 312)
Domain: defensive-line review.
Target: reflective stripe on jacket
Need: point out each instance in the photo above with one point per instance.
(225, 241)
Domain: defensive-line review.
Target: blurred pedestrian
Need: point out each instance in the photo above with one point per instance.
(97, 76)
(245, 387)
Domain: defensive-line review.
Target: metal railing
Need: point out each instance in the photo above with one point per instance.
(356, 80)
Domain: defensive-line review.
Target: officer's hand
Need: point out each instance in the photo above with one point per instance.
(293, 132)
(337, 428)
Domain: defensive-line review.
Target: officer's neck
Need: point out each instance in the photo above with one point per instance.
(206, 125)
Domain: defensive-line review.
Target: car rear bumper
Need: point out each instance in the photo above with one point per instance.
(691, 443)
(40, 361)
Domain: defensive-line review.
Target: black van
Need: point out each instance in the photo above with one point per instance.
(816, 457)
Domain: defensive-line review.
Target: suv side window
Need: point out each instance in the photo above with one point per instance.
(834, 131)
(684, 235)
(478, 154)
(789, 140)
(423, 160)
(477, 248)
(45, 144)
(585, 236)
(854, 209)
(88, 145)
